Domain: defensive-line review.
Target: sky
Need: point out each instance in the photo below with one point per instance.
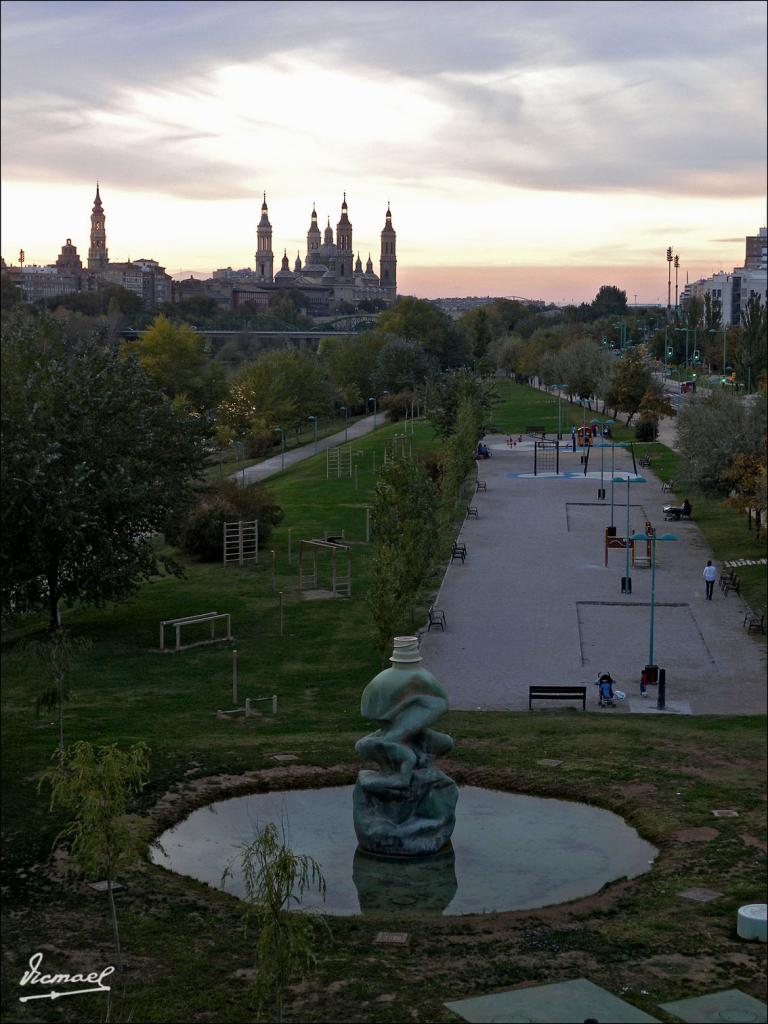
(538, 149)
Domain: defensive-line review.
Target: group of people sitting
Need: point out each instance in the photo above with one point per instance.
(483, 452)
(678, 512)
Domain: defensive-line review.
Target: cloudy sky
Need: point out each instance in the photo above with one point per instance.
(529, 148)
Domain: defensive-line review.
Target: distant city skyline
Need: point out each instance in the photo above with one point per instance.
(539, 149)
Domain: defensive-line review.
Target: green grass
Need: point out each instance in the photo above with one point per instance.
(184, 940)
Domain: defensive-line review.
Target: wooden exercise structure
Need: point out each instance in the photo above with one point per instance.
(341, 580)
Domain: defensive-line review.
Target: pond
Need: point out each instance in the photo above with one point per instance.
(508, 852)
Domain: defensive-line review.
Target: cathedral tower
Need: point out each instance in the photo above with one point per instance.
(388, 260)
(264, 256)
(344, 254)
(98, 257)
(313, 239)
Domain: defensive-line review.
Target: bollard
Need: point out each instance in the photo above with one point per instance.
(626, 584)
(280, 599)
(274, 703)
(661, 701)
(234, 677)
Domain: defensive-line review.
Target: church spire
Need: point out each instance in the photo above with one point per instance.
(98, 257)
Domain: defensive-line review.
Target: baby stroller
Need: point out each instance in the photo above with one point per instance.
(606, 698)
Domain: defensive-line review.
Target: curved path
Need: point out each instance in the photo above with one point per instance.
(534, 603)
(277, 463)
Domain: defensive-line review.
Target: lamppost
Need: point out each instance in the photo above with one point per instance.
(677, 267)
(372, 398)
(603, 424)
(313, 419)
(653, 538)
(687, 330)
(346, 414)
(559, 410)
(626, 583)
(282, 452)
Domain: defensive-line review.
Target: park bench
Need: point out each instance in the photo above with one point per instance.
(734, 584)
(472, 512)
(458, 551)
(668, 485)
(481, 485)
(558, 693)
(753, 621)
(645, 461)
(436, 618)
(726, 577)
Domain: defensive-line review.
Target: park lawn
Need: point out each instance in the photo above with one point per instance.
(189, 959)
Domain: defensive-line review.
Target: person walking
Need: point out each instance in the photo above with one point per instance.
(710, 575)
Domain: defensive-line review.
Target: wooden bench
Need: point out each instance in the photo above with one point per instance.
(558, 693)
(734, 584)
(458, 551)
(472, 512)
(756, 622)
(436, 618)
(481, 485)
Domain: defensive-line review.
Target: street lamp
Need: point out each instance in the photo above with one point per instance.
(653, 538)
(559, 410)
(346, 414)
(282, 453)
(372, 398)
(603, 424)
(677, 267)
(626, 583)
(313, 419)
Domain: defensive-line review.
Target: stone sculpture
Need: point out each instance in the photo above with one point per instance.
(406, 807)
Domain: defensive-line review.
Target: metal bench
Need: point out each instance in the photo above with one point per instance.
(558, 693)
(472, 512)
(436, 618)
(756, 622)
(481, 485)
(734, 584)
(726, 577)
(458, 551)
(668, 485)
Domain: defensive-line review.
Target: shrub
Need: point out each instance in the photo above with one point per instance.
(203, 533)
(646, 430)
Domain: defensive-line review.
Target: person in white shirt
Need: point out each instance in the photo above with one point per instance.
(710, 575)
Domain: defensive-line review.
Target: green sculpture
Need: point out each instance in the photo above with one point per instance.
(406, 807)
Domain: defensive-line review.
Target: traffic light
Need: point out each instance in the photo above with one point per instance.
(722, 380)
(694, 376)
(670, 352)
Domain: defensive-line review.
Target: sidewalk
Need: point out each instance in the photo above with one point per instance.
(277, 463)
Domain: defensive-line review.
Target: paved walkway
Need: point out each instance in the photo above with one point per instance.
(278, 463)
(534, 603)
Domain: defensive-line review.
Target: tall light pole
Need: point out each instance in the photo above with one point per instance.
(282, 450)
(652, 538)
(313, 419)
(626, 584)
(677, 267)
(669, 281)
(603, 424)
(346, 414)
(372, 398)
(725, 350)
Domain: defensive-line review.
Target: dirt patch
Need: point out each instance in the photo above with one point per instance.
(633, 789)
(695, 835)
(759, 844)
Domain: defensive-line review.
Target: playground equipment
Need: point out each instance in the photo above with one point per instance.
(241, 541)
(341, 581)
(640, 559)
(546, 457)
(338, 462)
(189, 620)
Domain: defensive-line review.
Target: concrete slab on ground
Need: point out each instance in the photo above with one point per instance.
(731, 1005)
(564, 1002)
(535, 604)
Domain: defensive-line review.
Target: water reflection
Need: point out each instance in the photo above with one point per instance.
(425, 884)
